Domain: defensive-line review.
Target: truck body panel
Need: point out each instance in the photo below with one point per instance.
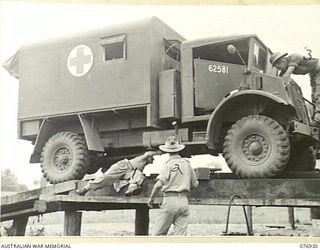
(48, 89)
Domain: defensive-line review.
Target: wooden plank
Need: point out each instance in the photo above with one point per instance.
(22, 197)
(247, 188)
(142, 221)
(283, 175)
(98, 199)
(39, 207)
(25, 197)
(194, 201)
(92, 203)
(258, 188)
(60, 188)
(72, 223)
(298, 175)
(20, 213)
(258, 202)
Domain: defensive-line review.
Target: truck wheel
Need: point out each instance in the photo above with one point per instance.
(302, 158)
(64, 157)
(256, 147)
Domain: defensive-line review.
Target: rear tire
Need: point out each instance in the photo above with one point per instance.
(256, 147)
(64, 157)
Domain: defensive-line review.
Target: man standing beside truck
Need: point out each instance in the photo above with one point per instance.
(175, 179)
(301, 65)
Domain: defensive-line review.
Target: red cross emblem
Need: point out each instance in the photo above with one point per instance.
(80, 60)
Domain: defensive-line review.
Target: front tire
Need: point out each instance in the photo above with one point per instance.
(256, 147)
(64, 157)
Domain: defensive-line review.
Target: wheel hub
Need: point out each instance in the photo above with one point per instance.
(255, 147)
(62, 158)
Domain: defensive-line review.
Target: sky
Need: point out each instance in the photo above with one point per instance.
(282, 28)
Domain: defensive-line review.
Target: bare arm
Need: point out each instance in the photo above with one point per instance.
(141, 161)
(289, 71)
(194, 180)
(156, 189)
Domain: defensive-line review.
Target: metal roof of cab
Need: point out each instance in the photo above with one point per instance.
(220, 39)
(114, 28)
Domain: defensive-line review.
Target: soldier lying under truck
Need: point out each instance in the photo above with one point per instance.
(122, 173)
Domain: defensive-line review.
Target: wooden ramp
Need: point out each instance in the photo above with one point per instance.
(290, 192)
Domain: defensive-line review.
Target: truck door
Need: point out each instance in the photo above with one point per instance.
(217, 73)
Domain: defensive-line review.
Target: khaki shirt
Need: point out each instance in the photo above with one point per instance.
(302, 64)
(177, 175)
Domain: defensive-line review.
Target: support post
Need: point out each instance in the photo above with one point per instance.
(142, 221)
(315, 213)
(250, 220)
(72, 223)
(19, 226)
(291, 217)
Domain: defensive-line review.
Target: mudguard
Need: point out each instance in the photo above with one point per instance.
(91, 134)
(49, 127)
(233, 104)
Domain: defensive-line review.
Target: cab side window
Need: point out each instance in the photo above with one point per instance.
(259, 58)
(114, 47)
(172, 49)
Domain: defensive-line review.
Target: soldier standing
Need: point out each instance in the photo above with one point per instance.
(175, 179)
(300, 65)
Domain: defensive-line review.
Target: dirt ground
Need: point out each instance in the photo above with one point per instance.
(127, 229)
(204, 221)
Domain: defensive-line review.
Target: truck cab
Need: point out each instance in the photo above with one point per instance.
(210, 72)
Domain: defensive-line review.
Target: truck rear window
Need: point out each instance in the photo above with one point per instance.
(114, 47)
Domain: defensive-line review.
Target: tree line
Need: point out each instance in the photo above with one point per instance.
(9, 182)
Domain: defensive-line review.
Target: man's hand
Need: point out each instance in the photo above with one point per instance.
(150, 203)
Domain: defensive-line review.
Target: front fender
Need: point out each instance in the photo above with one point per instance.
(236, 106)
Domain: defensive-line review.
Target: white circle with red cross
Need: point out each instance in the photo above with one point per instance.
(80, 60)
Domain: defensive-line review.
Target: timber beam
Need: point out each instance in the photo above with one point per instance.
(217, 191)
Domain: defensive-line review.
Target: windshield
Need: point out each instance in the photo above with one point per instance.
(219, 53)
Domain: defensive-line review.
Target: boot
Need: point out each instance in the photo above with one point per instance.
(82, 191)
(133, 190)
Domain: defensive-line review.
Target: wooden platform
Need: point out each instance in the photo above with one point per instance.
(291, 192)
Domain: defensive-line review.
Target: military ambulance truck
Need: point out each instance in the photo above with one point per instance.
(97, 97)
